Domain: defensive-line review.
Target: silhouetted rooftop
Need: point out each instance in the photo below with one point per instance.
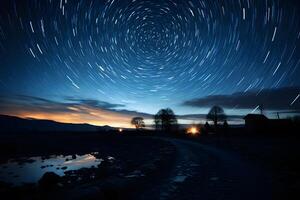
(255, 117)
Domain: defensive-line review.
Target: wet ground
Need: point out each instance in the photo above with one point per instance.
(26, 170)
(85, 165)
(206, 172)
(146, 167)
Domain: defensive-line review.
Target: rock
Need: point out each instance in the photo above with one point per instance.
(73, 156)
(60, 185)
(64, 168)
(135, 174)
(148, 168)
(214, 178)
(179, 179)
(110, 159)
(49, 179)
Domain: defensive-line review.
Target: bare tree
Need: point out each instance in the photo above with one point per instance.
(165, 120)
(216, 114)
(138, 122)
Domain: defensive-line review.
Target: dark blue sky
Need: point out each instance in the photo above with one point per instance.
(143, 55)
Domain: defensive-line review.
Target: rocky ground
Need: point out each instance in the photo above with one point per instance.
(135, 159)
(148, 167)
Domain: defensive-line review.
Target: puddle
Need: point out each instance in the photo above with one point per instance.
(30, 170)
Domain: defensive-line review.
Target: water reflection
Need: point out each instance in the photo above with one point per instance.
(30, 170)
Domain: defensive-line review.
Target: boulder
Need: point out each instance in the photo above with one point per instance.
(49, 179)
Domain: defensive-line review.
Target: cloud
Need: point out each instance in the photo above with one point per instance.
(94, 103)
(203, 116)
(69, 110)
(272, 99)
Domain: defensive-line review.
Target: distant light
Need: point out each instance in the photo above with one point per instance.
(193, 131)
(120, 130)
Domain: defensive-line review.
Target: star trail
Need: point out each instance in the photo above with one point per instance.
(147, 54)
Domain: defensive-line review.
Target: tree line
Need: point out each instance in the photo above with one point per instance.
(165, 119)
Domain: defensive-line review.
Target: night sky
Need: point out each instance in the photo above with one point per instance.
(104, 61)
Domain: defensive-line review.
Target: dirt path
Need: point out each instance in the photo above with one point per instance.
(204, 172)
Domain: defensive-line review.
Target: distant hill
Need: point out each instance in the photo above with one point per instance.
(16, 124)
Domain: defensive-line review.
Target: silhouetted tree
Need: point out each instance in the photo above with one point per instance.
(138, 122)
(225, 127)
(206, 128)
(225, 124)
(165, 120)
(216, 114)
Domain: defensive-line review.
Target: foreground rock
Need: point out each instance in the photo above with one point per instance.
(49, 180)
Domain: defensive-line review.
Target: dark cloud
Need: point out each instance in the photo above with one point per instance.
(94, 103)
(273, 99)
(134, 113)
(288, 112)
(203, 116)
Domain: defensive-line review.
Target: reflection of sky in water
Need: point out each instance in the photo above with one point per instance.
(16, 173)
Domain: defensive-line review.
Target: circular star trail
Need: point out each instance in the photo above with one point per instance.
(148, 53)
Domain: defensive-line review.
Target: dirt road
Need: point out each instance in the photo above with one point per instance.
(205, 172)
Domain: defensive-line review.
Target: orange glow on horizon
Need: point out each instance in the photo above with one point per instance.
(80, 115)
